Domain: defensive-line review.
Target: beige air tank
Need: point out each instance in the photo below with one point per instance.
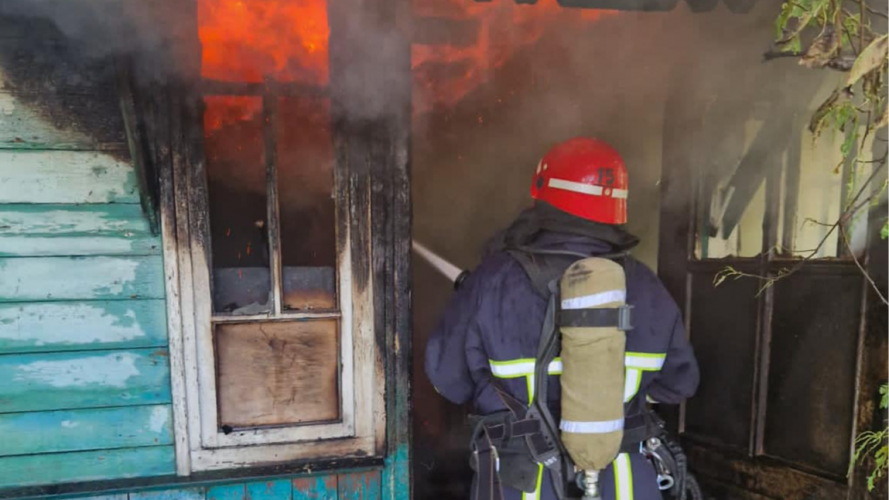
(592, 366)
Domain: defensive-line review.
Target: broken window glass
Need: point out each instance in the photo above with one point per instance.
(236, 179)
(308, 216)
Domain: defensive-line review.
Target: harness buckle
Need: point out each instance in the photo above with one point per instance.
(623, 318)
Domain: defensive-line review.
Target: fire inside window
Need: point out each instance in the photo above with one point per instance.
(275, 253)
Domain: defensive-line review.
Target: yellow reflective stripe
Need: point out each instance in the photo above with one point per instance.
(635, 362)
(512, 369)
(632, 380)
(623, 477)
(521, 367)
(536, 494)
(530, 381)
(645, 361)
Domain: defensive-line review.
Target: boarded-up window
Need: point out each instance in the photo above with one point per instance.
(273, 246)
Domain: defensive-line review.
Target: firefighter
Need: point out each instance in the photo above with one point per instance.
(487, 342)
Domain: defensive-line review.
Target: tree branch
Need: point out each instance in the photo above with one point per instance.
(875, 11)
(861, 268)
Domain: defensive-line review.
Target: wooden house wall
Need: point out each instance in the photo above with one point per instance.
(347, 485)
(85, 404)
(84, 374)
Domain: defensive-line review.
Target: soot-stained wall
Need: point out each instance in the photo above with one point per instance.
(608, 77)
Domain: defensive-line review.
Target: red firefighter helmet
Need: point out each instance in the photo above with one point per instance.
(584, 177)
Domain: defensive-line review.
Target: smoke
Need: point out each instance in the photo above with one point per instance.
(661, 87)
(100, 29)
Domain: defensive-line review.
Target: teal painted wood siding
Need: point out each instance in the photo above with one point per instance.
(84, 366)
(68, 229)
(78, 325)
(357, 485)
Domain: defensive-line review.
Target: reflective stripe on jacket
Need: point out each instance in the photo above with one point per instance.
(491, 328)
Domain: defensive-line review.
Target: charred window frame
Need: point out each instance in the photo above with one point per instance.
(204, 442)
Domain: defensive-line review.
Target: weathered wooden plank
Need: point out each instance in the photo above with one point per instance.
(235, 491)
(316, 488)
(55, 381)
(170, 494)
(81, 430)
(55, 230)
(359, 486)
(65, 177)
(281, 489)
(75, 278)
(72, 220)
(119, 496)
(84, 466)
(28, 246)
(63, 326)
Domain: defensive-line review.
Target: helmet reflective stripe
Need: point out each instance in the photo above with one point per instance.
(590, 189)
(577, 187)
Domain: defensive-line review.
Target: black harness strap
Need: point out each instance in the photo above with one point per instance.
(487, 486)
(618, 317)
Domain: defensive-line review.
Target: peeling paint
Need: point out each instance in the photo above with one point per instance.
(23, 245)
(112, 370)
(159, 418)
(69, 424)
(40, 278)
(105, 327)
(20, 220)
(65, 177)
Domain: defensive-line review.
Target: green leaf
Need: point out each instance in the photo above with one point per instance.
(884, 389)
(871, 58)
(884, 233)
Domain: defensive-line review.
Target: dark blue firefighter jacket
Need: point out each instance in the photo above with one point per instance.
(491, 328)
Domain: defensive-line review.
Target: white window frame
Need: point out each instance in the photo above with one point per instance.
(200, 444)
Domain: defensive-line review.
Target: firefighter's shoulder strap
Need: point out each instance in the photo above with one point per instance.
(545, 266)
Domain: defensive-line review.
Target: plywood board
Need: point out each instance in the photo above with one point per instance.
(277, 373)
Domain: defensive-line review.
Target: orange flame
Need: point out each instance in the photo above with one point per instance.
(504, 28)
(248, 40)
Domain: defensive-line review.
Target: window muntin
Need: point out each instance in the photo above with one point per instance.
(260, 298)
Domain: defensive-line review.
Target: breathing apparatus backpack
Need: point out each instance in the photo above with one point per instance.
(586, 322)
